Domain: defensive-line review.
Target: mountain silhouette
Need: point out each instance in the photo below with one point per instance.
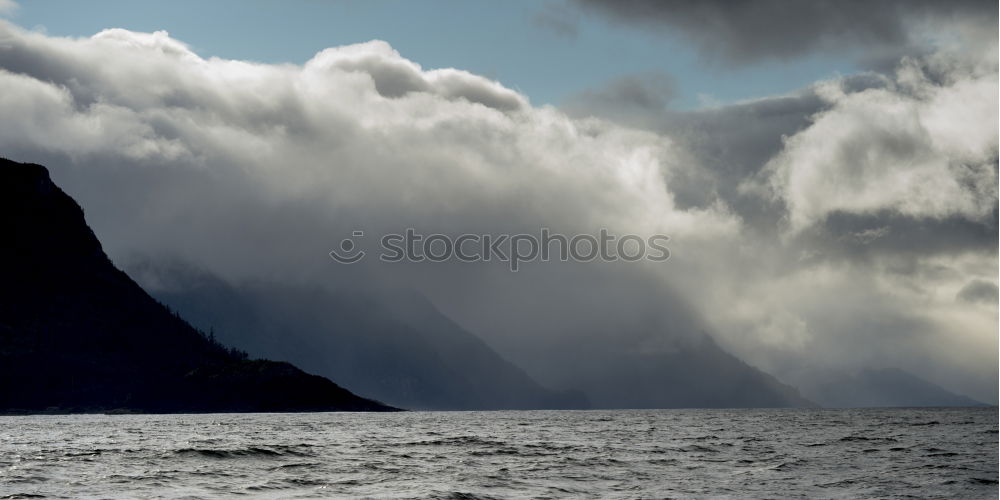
(885, 387)
(395, 346)
(694, 372)
(78, 335)
(399, 348)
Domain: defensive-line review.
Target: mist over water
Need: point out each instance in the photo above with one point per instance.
(883, 453)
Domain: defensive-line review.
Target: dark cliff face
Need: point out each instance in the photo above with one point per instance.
(77, 334)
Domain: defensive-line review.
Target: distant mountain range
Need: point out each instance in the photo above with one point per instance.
(696, 373)
(887, 387)
(78, 335)
(396, 347)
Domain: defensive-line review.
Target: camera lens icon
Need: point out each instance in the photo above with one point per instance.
(348, 252)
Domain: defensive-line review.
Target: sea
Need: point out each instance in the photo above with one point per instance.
(739, 453)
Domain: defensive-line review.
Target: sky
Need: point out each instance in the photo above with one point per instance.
(826, 171)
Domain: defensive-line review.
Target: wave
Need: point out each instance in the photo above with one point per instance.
(248, 452)
(459, 441)
(866, 438)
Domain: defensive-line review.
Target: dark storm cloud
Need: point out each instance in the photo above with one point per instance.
(733, 142)
(979, 291)
(730, 143)
(631, 99)
(857, 237)
(744, 31)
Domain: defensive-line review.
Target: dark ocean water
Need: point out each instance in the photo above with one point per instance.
(890, 453)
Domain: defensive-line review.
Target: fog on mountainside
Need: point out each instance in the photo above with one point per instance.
(77, 335)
